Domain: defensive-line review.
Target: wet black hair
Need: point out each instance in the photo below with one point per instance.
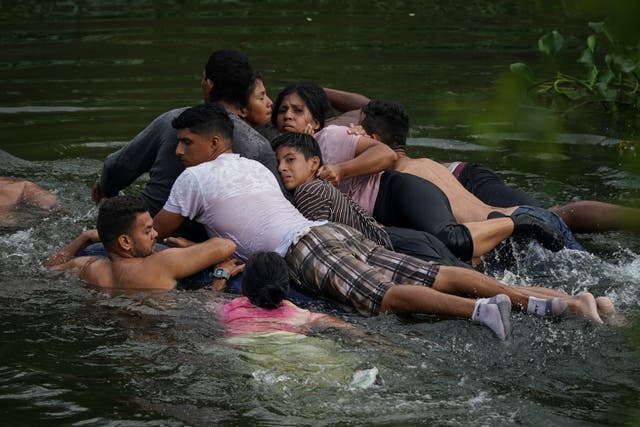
(313, 96)
(265, 280)
(387, 119)
(207, 118)
(306, 144)
(232, 76)
(116, 216)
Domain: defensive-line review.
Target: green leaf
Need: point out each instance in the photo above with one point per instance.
(586, 58)
(550, 44)
(624, 63)
(592, 75)
(523, 71)
(591, 42)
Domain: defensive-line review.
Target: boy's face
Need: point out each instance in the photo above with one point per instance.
(294, 169)
(193, 148)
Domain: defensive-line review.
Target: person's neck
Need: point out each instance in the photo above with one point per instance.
(230, 107)
(401, 152)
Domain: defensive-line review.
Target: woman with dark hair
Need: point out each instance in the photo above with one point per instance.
(263, 307)
(357, 164)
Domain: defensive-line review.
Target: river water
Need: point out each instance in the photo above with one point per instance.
(81, 78)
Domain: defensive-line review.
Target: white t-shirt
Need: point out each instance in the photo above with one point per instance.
(238, 199)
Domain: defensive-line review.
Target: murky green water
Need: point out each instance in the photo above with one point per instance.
(78, 79)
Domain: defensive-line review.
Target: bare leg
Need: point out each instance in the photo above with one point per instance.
(592, 216)
(461, 281)
(489, 233)
(38, 196)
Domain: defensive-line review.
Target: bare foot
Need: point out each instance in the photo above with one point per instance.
(605, 306)
(584, 305)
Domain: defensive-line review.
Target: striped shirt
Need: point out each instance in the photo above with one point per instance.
(319, 200)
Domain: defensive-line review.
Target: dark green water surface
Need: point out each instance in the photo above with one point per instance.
(79, 79)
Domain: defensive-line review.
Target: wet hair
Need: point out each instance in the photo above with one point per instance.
(116, 216)
(387, 119)
(207, 119)
(232, 75)
(313, 96)
(265, 280)
(306, 144)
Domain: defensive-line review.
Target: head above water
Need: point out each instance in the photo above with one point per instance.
(387, 122)
(259, 107)
(204, 132)
(300, 104)
(124, 225)
(227, 77)
(299, 158)
(266, 280)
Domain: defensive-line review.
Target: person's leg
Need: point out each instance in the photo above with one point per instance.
(422, 245)
(408, 201)
(588, 216)
(465, 282)
(483, 183)
(37, 196)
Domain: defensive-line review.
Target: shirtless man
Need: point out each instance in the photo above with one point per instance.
(126, 229)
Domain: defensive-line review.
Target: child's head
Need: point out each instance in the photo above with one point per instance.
(387, 122)
(266, 280)
(299, 158)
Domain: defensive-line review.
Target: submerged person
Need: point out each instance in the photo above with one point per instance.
(18, 192)
(357, 164)
(226, 79)
(239, 199)
(126, 230)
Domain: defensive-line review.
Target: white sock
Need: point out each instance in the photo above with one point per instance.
(546, 307)
(494, 313)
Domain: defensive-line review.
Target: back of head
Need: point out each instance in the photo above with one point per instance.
(306, 144)
(116, 216)
(232, 76)
(206, 119)
(265, 280)
(389, 120)
(313, 96)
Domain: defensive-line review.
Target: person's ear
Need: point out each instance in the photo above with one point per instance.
(315, 163)
(377, 137)
(243, 113)
(125, 242)
(316, 125)
(208, 87)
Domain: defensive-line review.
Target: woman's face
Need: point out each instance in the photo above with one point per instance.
(259, 109)
(293, 115)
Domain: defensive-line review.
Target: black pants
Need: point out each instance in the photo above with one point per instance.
(483, 183)
(408, 201)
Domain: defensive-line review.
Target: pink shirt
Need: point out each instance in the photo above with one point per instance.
(241, 317)
(338, 146)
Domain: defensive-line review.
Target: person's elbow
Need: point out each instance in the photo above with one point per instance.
(388, 156)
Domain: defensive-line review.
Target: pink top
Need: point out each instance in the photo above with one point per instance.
(338, 146)
(241, 317)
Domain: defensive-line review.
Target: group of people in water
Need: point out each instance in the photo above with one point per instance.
(289, 193)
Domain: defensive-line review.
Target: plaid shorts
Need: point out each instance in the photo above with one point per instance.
(337, 262)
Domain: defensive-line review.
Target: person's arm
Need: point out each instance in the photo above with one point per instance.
(182, 262)
(344, 101)
(165, 223)
(65, 257)
(124, 166)
(313, 201)
(371, 156)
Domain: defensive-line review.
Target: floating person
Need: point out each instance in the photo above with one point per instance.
(18, 192)
(126, 229)
(239, 199)
(358, 163)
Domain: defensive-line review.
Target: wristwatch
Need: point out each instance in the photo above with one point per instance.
(221, 273)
